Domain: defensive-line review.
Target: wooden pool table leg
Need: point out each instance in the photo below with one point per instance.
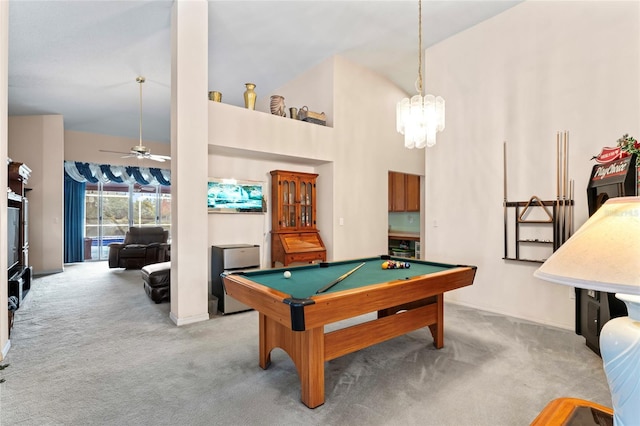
(310, 362)
(306, 349)
(437, 329)
(263, 343)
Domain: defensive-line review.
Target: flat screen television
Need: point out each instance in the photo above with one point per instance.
(235, 196)
(13, 237)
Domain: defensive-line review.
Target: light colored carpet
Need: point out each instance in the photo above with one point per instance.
(90, 348)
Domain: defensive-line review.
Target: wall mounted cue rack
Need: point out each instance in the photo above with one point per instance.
(538, 223)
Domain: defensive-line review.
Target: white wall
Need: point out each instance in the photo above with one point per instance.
(246, 228)
(89, 147)
(38, 141)
(352, 159)
(538, 68)
(366, 147)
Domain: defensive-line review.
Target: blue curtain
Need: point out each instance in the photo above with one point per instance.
(73, 220)
(86, 172)
(106, 170)
(157, 173)
(135, 172)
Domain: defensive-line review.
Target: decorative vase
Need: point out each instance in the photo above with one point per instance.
(215, 96)
(250, 96)
(293, 113)
(277, 105)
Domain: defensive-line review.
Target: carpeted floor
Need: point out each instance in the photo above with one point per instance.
(90, 348)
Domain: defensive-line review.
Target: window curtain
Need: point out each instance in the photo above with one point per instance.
(105, 173)
(73, 220)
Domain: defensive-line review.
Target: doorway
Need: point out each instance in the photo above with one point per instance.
(405, 205)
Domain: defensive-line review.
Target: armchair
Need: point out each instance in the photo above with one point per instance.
(142, 246)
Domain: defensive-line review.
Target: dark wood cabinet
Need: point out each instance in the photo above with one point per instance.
(412, 193)
(294, 236)
(19, 272)
(404, 192)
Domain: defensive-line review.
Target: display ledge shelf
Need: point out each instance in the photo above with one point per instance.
(524, 260)
(256, 134)
(255, 111)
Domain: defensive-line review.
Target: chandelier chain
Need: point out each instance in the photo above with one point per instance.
(420, 47)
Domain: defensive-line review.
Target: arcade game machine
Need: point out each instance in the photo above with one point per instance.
(617, 178)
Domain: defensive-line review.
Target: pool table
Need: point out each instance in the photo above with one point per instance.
(292, 315)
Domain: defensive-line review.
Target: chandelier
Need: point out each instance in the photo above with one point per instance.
(421, 117)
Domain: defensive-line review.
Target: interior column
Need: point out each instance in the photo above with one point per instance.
(189, 161)
(4, 120)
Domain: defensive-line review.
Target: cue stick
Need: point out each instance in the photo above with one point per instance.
(568, 190)
(571, 189)
(504, 175)
(342, 277)
(565, 184)
(561, 189)
(556, 225)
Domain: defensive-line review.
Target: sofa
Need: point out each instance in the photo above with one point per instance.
(141, 246)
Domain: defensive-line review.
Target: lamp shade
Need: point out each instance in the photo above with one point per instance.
(604, 254)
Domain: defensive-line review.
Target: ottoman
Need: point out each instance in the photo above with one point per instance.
(157, 281)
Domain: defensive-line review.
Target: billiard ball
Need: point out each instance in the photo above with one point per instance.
(287, 274)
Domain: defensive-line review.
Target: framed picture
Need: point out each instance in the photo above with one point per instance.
(235, 196)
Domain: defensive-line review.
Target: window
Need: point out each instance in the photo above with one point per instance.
(111, 208)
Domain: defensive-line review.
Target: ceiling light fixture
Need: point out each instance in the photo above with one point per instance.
(140, 151)
(420, 118)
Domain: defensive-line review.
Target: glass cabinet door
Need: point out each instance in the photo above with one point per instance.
(285, 203)
(306, 204)
(309, 205)
(289, 216)
(303, 204)
(292, 206)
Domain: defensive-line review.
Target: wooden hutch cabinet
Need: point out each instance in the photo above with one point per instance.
(294, 236)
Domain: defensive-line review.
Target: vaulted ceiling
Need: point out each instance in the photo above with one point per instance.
(81, 58)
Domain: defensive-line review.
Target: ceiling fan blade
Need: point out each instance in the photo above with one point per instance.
(155, 158)
(163, 157)
(114, 152)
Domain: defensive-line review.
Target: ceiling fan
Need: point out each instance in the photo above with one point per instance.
(140, 151)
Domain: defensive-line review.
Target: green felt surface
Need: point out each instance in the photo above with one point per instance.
(306, 280)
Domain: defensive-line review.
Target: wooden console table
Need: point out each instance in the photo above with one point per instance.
(574, 412)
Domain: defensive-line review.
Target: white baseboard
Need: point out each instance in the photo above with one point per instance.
(50, 272)
(189, 320)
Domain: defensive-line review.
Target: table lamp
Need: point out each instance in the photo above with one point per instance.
(604, 255)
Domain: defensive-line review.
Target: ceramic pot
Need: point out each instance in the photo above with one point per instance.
(277, 105)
